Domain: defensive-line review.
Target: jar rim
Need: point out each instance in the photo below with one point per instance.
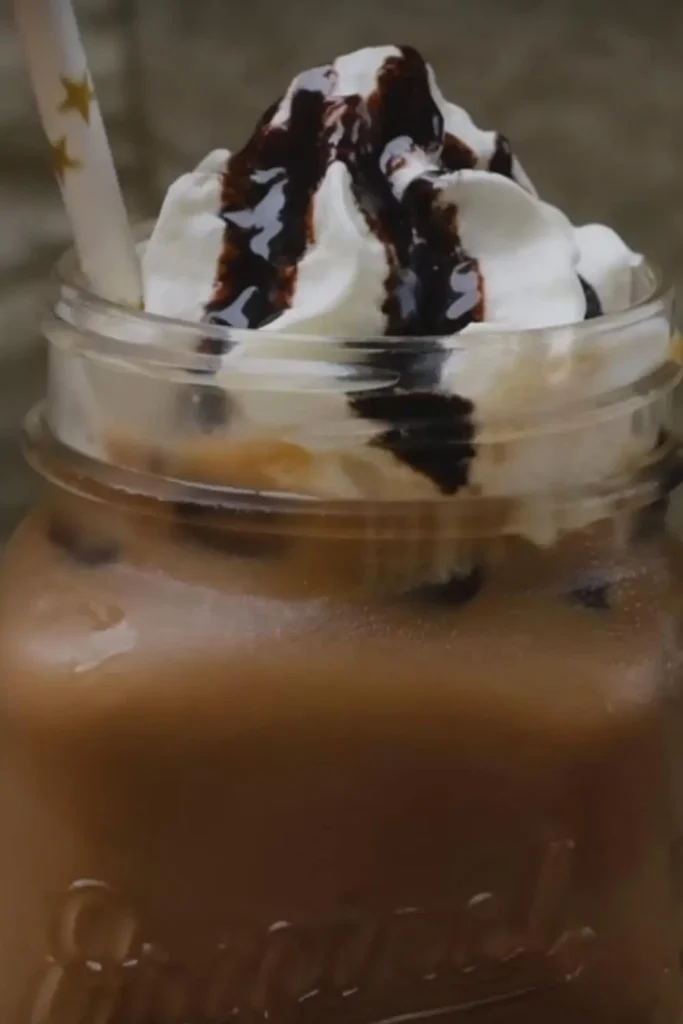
(512, 417)
(79, 303)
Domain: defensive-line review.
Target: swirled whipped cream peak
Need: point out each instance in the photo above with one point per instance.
(364, 203)
(366, 206)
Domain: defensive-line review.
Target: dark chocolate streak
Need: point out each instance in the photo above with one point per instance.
(206, 406)
(456, 155)
(501, 161)
(593, 304)
(266, 206)
(433, 287)
(431, 432)
(269, 186)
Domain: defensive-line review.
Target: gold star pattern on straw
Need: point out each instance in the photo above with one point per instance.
(62, 161)
(78, 96)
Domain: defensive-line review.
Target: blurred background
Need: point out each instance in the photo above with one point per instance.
(590, 91)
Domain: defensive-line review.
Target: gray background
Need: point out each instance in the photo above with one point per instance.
(590, 91)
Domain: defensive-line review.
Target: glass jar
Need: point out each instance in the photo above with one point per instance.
(292, 734)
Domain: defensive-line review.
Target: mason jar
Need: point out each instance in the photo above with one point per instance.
(292, 732)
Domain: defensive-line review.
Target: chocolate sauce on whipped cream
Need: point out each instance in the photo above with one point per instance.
(369, 213)
(433, 286)
(268, 188)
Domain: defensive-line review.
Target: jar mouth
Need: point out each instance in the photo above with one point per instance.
(137, 330)
(271, 362)
(517, 424)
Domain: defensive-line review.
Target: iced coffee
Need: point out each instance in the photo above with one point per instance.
(341, 660)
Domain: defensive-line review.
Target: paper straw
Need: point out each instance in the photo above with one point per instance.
(81, 155)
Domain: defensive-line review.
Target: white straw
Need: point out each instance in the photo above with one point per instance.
(81, 154)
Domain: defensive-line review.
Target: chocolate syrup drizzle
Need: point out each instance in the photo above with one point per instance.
(433, 287)
(501, 161)
(593, 305)
(266, 203)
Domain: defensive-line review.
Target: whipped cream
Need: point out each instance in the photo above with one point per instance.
(366, 206)
(339, 253)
